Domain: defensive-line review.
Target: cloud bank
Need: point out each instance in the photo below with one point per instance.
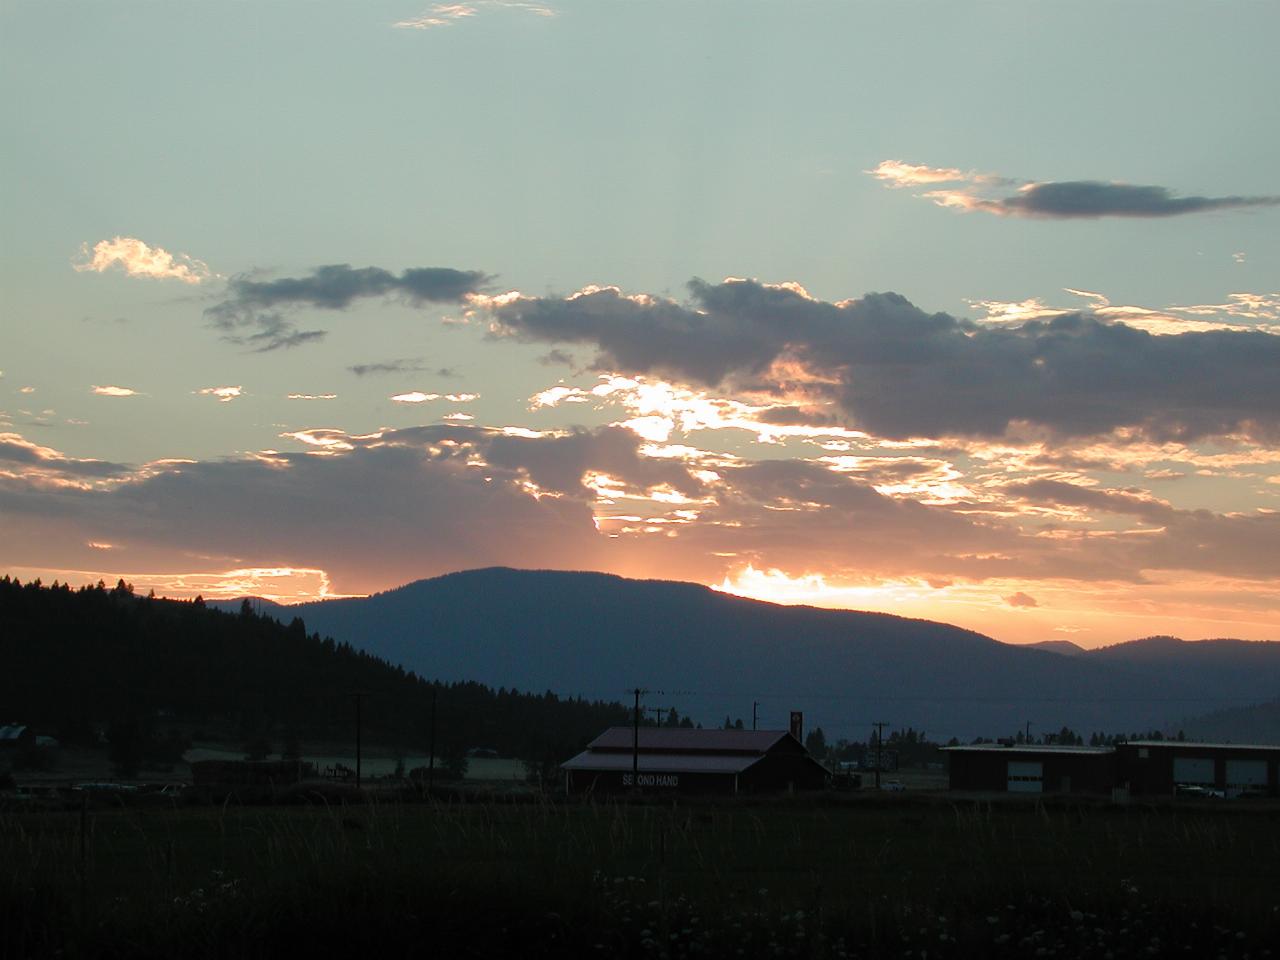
(899, 372)
(1061, 200)
(454, 496)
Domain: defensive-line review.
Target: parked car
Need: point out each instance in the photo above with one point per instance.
(1197, 790)
(106, 787)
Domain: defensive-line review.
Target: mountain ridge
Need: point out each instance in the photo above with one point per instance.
(601, 636)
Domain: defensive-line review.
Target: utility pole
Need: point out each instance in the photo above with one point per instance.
(879, 725)
(635, 741)
(431, 761)
(657, 714)
(359, 697)
(755, 715)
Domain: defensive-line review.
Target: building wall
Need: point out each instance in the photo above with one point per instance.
(990, 771)
(1155, 770)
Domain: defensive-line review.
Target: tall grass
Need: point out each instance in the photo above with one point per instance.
(782, 878)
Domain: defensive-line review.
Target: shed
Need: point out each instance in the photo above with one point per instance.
(1000, 768)
(679, 759)
(1160, 767)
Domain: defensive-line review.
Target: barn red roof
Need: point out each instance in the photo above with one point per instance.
(686, 740)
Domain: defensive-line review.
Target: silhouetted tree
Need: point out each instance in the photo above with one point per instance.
(816, 743)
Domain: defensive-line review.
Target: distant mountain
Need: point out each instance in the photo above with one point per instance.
(1064, 647)
(1243, 671)
(711, 654)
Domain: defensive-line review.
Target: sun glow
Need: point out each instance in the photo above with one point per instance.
(813, 589)
(279, 584)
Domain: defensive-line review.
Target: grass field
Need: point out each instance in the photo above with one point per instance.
(840, 876)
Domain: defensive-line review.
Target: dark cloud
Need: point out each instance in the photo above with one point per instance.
(1072, 199)
(792, 416)
(335, 287)
(1124, 502)
(556, 357)
(1021, 599)
(1234, 545)
(406, 365)
(277, 333)
(22, 453)
(558, 463)
(900, 372)
(258, 305)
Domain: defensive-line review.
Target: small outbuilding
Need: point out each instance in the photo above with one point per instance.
(1018, 768)
(679, 759)
(1163, 767)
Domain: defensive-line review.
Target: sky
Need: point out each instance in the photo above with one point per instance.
(963, 311)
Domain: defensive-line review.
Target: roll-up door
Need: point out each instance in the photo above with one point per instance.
(1026, 776)
(1242, 774)
(1193, 770)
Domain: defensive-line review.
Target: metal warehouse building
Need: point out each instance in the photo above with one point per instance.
(693, 761)
(1140, 768)
(1159, 767)
(996, 768)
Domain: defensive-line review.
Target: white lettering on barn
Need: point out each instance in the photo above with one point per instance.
(652, 780)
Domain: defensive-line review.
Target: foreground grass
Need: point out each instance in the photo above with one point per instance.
(868, 877)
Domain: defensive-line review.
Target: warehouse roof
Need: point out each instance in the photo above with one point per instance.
(1030, 748)
(674, 740)
(1194, 744)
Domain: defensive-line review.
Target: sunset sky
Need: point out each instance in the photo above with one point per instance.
(960, 311)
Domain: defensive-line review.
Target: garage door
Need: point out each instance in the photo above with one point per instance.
(1193, 770)
(1246, 773)
(1026, 777)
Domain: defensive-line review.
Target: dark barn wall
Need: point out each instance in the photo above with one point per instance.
(773, 773)
(981, 771)
(780, 773)
(613, 781)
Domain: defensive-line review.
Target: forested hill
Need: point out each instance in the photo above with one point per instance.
(73, 659)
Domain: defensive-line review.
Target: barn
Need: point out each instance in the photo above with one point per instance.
(1164, 767)
(1000, 768)
(679, 759)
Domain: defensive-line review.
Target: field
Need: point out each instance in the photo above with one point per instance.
(857, 875)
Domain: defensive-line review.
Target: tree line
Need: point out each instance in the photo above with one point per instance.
(83, 663)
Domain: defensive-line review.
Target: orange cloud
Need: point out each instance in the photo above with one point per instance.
(137, 259)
